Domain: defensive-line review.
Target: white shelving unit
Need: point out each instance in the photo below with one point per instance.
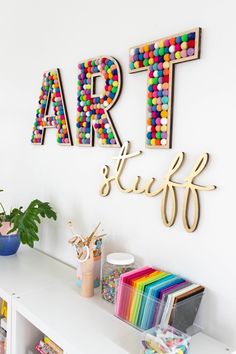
(25, 272)
(43, 299)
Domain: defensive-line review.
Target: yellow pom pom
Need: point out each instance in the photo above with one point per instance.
(153, 142)
(164, 114)
(177, 55)
(150, 61)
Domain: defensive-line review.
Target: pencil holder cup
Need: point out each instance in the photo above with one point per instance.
(87, 287)
(167, 340)
(96, 254)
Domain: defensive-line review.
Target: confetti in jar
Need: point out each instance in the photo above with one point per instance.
(168, 340)
(115, 265)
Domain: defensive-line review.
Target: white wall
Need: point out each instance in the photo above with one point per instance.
(39, 35)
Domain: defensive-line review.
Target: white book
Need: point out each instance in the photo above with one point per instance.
(3, 323)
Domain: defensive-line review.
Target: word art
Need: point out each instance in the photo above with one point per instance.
(158, 58)
(167, 187)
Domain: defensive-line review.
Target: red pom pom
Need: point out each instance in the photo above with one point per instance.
(166, 78)
(191, 43)
(140, 64)
(151, 74)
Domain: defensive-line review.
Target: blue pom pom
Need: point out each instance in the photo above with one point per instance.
(150, 88)
(140, 57)
(191, 35)
(178, 40)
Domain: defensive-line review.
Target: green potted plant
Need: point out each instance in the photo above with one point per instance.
(21, 225)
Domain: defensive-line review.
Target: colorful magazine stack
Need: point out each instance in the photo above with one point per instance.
(46, 346)
(3, 326)
(148, 296)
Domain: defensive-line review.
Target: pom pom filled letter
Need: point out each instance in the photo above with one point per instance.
(159, 58)
(93, 108)
(51, 91)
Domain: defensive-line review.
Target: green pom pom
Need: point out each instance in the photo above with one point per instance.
(150, 102)
(155, 80)
(184, 37)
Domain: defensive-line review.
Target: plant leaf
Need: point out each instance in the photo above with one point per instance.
(26, 222)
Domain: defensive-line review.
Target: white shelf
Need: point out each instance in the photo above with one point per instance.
(47, 301)
(78, 325)
(88, 326)
(203, 344)
(29, 270)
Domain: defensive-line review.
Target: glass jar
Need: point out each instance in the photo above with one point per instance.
(115, 265)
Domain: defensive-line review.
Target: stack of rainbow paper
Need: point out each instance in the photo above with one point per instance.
(148, 296)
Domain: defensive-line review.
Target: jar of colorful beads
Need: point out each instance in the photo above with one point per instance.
(165, 340)
(115, 265)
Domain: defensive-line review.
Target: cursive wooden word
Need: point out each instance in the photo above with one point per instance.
(167, 186)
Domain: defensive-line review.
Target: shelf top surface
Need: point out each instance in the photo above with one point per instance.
(88, 326)
(203, 344)
(77, 324)
(29, 270)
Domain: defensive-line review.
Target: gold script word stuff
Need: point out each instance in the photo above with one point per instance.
(167, 187)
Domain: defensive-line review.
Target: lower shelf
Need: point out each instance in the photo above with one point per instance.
(78, 325)
(5, 325)
(25, 335)
(82, 326)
